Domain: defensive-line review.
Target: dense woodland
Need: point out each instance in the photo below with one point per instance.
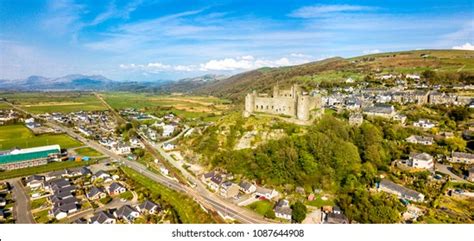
(332, 156)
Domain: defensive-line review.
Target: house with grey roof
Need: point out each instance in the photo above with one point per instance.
(103, 217)
(423, 140)
(149, 207)
(96, 193)
(116, 188)
(401, 191)
(282, 209)
(229, 189)
(266, 193)
(247, 187)
(34, 181)
(127, 213)
(380, 110)
(63, 208)
(421, 160)
(215, 182)
(100, 175)
(462, 157)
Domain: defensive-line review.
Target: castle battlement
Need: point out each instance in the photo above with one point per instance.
(293, 103)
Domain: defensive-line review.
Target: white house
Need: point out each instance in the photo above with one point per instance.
(282, 210)
(425, 124)
(127, 213)
(168, 130)
(168, 147)
(247, 187)
(421, 160)
(122, 148)
(266, 193)
(423, 140)
(413, 76)
(116, 188)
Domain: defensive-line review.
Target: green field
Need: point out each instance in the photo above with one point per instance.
(186, 209)
(39, 102)
(19, 136)
(54, 166)
(261, 207)
(4, 105)
(183, 106)
(87, 151)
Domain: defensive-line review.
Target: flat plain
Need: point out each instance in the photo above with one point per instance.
(19, 136)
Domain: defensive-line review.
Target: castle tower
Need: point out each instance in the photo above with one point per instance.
(276, 91)
(249, 103)
(303, 107)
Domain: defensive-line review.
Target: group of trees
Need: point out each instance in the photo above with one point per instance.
(332, 156)
(451, 77)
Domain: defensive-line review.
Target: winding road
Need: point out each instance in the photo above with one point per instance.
(200, 193)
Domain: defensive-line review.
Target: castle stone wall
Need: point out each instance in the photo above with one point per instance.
(283, 102)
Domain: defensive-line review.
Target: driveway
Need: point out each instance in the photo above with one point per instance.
(445, 170)
(22, 209)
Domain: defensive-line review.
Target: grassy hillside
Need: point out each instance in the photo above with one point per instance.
(335, 70)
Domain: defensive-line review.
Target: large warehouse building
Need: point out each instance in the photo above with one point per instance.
(21, 158)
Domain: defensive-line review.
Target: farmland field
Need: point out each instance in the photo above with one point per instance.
(55, 101)
(19, 136)
(183, 106)
(3, 105)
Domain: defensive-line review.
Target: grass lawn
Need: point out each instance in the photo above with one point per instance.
(186, 209)
(126, 195)
(261, 207)
(42, 169)
(41, 102)
(105, 200)
(37, 203)
(19, 136)
(318, 202)
(87, 151)
(41, 217)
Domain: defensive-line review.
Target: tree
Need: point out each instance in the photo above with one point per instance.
(270, 214)
(299, 212)
(456, 143)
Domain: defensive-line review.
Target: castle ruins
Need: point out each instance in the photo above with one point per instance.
(293, 103)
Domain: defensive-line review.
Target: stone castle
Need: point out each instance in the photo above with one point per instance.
(293, 103)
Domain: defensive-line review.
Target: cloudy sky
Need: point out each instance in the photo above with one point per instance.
(172, 39)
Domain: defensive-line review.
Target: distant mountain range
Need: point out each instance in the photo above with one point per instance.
(68, 82)
(309, 75)
(79, 82)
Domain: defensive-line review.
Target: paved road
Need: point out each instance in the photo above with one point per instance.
(225, 207)
(445, 170)
(199, 194)
(22, 208)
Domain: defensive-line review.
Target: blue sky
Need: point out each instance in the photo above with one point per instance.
(172, 39)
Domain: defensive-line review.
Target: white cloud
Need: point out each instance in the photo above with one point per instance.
(318, 10)
(466, 46)
(248, 63)
(300, 55)
(63, 16)
(242, 63)
(371, 51)
(113, 12)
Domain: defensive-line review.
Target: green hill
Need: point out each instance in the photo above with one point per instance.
(452, 63)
